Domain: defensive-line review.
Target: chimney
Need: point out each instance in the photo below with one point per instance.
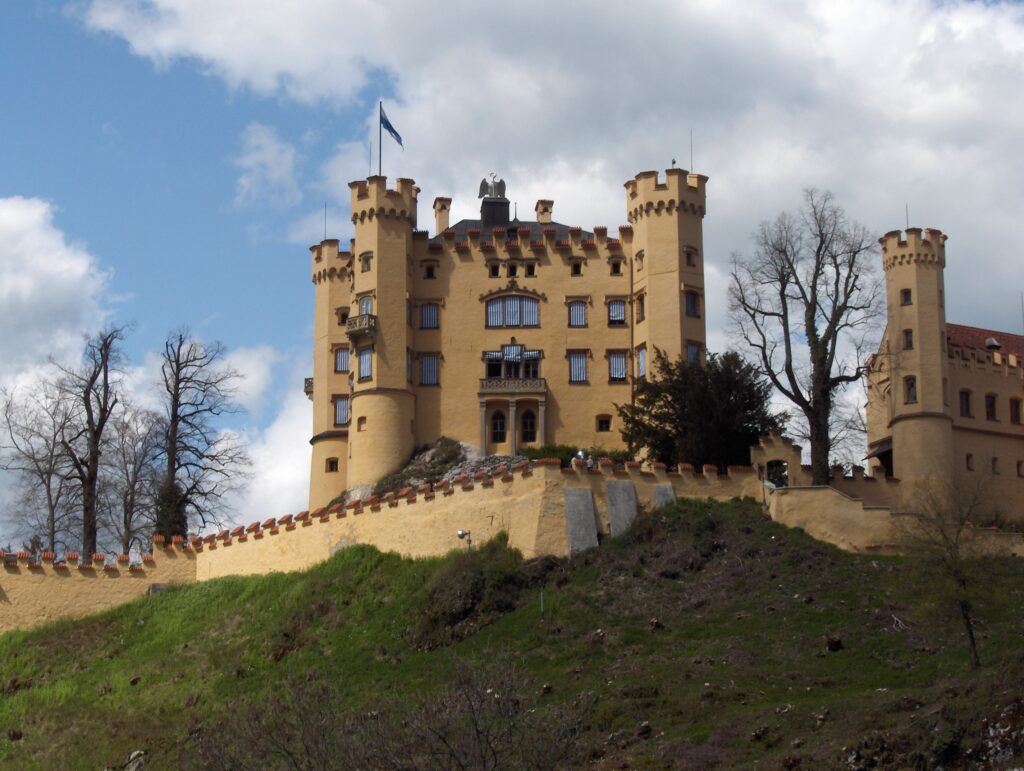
(543, 209)
(493, 213)
(442, 208)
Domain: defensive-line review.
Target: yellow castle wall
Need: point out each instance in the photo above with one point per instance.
(34, 594)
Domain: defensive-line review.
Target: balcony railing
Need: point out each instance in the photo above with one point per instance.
(364, 325)
(513, 385)
(307, 387)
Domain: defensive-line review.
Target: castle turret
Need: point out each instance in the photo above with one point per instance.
(668, 262)
(329, 387)
(916, 334)
(382, 402)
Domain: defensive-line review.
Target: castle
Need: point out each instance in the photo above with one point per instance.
(944, 400)
(499, 332)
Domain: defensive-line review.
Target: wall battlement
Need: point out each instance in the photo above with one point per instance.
(681, 190)
(328, 261)
(372, 198)
(920, 247)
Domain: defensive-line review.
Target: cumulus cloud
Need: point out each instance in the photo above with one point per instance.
(268, 169)
(256, 367)
(51, 290)
(884, 102)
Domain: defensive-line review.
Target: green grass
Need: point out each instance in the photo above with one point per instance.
(707, 620)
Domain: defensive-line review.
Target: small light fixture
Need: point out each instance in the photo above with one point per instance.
(467, 536)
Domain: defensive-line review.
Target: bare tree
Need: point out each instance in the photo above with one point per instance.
(810, 284)
(92, 389)
(32, 448)
(941, 532)
(200, 462)
(131, 475)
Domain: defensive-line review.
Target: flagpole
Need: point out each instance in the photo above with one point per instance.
(380, 134)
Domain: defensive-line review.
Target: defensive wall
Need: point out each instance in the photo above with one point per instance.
(544, 509)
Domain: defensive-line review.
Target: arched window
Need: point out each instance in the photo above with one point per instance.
(910, 390)
(498, 427)
(513, 311)
(529, 426)
(365, 305)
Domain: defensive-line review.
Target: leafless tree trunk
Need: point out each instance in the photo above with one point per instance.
(92, 388)
(132, 474)
(34, 425)
(941, 531)
(200, 463)
(810, 284)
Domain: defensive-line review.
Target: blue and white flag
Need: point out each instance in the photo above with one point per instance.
(386, 124)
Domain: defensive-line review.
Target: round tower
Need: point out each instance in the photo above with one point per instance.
(668, 261)
(381, 432)
(922, 427)
(329, 384)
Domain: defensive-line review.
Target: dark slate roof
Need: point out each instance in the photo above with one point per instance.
(974, 337)
(462, 228)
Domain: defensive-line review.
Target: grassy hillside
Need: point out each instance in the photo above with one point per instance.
(707, 637)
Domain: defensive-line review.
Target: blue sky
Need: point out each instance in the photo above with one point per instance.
(167, 162)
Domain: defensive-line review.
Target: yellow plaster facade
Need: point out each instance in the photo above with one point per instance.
(499, 332)
(944, 400)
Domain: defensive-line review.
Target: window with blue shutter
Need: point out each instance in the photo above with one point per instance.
(531, 312)
(617, 313)
(340, 410)
(429, 314)
(577, 313)
(641, 362)
(617, 366)
(341, 359)
(429, 363)
(577, 366)
(365, 363)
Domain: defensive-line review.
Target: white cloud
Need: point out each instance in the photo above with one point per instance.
(268, 169)
(51, 291)
(256, 366)
(883, 102)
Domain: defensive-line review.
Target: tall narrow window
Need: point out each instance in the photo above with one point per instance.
(969, 462)
(365, 363)
(906, 298)
(494, 270)
(965, 404)
(429, 271)
(617, 313)
(498, 427)
(990, 407)
(908, 339)
(639, 311)
(693, 304)
(1015, 411)
(577, 366)
(910, 390)
(365, 305)
(531, 270)
(512, 270)
(693, 352)
(429, 369)
(408, 365)
(617, 366)
(529, 421)
(576, 268)
(341, 359)
(340, 410)
(429, 315)
(641, 361)
(577, 313)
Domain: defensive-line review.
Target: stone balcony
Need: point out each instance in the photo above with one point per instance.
(509, 386)
(361, 327)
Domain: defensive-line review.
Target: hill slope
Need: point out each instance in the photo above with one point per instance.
(707, 637)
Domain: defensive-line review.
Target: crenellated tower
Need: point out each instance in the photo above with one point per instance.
(668, 262)
(382, 402)
(920, 423)
(329, 388)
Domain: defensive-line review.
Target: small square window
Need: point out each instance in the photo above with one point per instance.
(429, 271)
(604, 423)
(332, 465)
(531, 270)
(905, 297)
(616, 268)
(494, 270)
(577, 269)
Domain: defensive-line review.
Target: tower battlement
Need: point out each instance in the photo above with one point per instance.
(919, 246)
(328, 261)
(372, 198)
(680, 190)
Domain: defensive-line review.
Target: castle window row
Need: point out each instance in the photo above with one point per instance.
(991, 407)
(513, 311)
(994, 465)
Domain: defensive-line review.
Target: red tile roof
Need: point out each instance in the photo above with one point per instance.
(973, 337)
